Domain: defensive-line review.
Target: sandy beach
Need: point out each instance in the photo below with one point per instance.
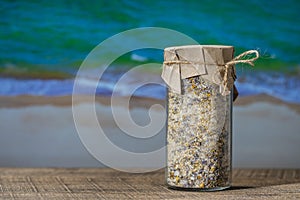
(40, 131)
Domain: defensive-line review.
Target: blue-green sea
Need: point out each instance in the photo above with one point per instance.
(42, 43)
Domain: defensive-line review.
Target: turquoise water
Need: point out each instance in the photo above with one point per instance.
(49, 39)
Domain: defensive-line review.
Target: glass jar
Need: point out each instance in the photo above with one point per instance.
(199, 125)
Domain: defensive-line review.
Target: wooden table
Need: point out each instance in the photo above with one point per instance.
(52, 183)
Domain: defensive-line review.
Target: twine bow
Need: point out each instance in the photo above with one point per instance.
(236, 60)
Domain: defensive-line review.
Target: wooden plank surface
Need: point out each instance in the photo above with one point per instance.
(51, 183)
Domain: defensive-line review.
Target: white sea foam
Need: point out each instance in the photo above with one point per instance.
(276, 85)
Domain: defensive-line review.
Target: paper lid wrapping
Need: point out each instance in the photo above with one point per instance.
(208, 61)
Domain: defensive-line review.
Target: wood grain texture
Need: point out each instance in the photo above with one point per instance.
(53, 183)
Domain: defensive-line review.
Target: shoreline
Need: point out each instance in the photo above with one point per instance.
(140, 102)
(65, 101)
(248, 100)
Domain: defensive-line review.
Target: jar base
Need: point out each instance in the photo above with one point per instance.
(199, 189)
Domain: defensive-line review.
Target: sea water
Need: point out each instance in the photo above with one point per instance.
(42, 43)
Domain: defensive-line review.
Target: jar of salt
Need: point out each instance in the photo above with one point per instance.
(199, 125)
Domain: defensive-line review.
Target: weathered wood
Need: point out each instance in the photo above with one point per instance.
(52, 183)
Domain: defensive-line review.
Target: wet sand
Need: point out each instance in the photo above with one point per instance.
(40, 131)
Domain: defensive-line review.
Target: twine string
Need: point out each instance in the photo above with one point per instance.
(236, 60)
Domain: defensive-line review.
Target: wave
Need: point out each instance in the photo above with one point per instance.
(281, 86)
(35, 87)
(277, 85)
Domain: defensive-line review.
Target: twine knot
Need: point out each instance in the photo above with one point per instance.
(236, 60)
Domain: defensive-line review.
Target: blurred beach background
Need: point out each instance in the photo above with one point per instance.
(43, 43)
